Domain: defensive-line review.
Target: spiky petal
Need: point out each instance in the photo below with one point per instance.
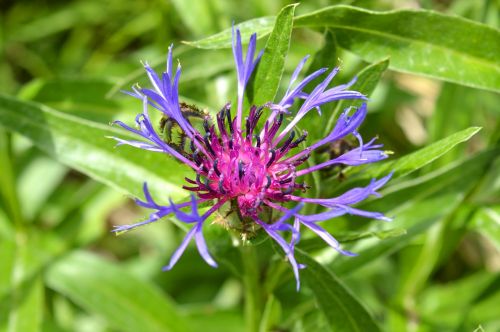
(255, 167)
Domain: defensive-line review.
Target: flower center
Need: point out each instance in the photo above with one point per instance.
(245, 166)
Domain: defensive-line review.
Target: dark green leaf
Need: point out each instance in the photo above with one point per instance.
(341, 309)
(271, 65)
(84, 145)
(367, 80)
(326, 57)
(421, 42)
(440, 306)
(124, 301)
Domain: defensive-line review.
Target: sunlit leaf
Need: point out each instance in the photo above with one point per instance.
(22, 290)
(271, 65)
(416, 206)
(26, 311)
(418, 159)
(123, 300)
(83, 145)
(487, 222)
(427, 43)
(262, 26)
(464, 52)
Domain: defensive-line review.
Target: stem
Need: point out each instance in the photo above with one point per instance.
(252, 288)
(8, 196)
(274, 276)
(8, 190)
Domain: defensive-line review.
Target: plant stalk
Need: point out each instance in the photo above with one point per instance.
(252, 288)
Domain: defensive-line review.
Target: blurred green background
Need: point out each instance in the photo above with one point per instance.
(435, 268)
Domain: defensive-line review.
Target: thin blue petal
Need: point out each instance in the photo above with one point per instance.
(327, 237)
(180, 250)
(202, 246)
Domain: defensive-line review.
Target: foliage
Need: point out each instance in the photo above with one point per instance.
(432, 72)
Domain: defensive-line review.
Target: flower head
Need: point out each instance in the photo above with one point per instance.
(253, 163)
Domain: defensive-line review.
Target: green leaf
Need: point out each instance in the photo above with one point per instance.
(488, 191)
(214, 320)
(8, 194)
(326, 57)
(123, 300)
(340, 307)
(23, 255)
(26, 311)
(271, 314)
(316, 243)
(197, 15)
(417, 218)
(8, 257)
(56, 21)
(487, 222)
(262, 26)
(416, 205)
(367, 80)
(402, 166)
(464, 52)
(47, 174)
(84, 146)
(21, 290)
(271, 65)
(484, 309)
(82, 97)
(439, 305)
(418, 159)
(422, 42)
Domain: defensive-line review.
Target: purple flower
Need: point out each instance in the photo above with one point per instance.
(253, 164)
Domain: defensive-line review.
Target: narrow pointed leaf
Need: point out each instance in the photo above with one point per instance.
(84, 146)
(26, 313)
(367, 80)
(262, 26)
(271, 65)
(123, 300)
(22, 291)
(341, 308)
(423, 42)
(419, 158)
(416, 206)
